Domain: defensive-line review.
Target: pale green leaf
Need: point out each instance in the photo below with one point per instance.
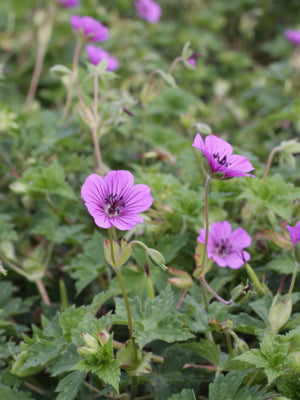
(68, 387)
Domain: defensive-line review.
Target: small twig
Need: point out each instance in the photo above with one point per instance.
(226, 303)
(34, 388)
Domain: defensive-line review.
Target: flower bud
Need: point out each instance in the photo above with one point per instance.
(156, 258)
(90, 341)
(279, 314)
(241, 294)
(240, 346)
(103, 337)
(183, 280)
(84, 351)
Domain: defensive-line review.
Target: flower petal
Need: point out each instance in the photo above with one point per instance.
(124, 223)
(240, 238)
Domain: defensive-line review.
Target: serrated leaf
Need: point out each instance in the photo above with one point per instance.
(103, 364)
(68, 387)
(206, 349)
(70, 319)
(271, 356)
(153, 319)
(65, 362)
(49, 180)
(88, 265)
(6, 393)
(225, 387)
(271, 193)
(186, 394)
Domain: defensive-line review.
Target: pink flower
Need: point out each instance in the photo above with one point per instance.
(192, 60)
(114, 200)
(226, 247)
(97, 54)
(220, 158)
(294, 233)
(69, 3)
(90, 28)
(148, 10)
(293, 35)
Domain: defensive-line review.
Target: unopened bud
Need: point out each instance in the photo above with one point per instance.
(241, 293)
(84, 351)
(90, 341)
(183, 280)
(103, 337)
(156, 258)
(279, 314)
(240, 346)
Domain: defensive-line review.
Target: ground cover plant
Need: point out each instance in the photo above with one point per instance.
(150, 214)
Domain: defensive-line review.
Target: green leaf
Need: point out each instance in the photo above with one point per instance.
(271, 356)
(289, 386)
(225, 387)
(6, 393)
(169, 246)
(103, 364)
(207, 349)
(186, 394)
(283, 263)
(68, 387)
(70, 319)
(47, 181)
(270, 194)
(168, 78)
(153, 319)
(65, 362)
(88, 265)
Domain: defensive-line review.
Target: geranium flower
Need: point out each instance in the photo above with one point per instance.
(97, 54)
(226, 247)
(148, 10)
(90, 28)
(293, 35)
(220, 158)
(294, 233)
(114, 200)
(69, 3)
(192, 60)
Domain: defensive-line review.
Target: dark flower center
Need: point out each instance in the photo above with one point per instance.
(221, 161)
(223, 248)
(114, 205)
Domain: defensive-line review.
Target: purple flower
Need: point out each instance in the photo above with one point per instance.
(148, 10)
(294, 233)
(114, 201)
(293, 35)
(220, 158)
(226, 247)
(192, 60)
(90, 28)
(97, 54)
(69, 3)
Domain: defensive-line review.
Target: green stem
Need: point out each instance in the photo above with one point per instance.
(228, 342)
(144, 137)
(292, 282)
(270, 158)
(123, 289)
(255, 280)
(206, 189)
(129, 315)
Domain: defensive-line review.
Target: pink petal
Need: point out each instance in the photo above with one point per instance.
(240, 238)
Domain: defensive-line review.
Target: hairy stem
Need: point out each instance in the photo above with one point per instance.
(270, 159)
(226, 303)
(292, 282)
(43, 291)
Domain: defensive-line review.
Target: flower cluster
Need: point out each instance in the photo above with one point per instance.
(93, 31)
(225, 246)
(148, 10)
(114, 200)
